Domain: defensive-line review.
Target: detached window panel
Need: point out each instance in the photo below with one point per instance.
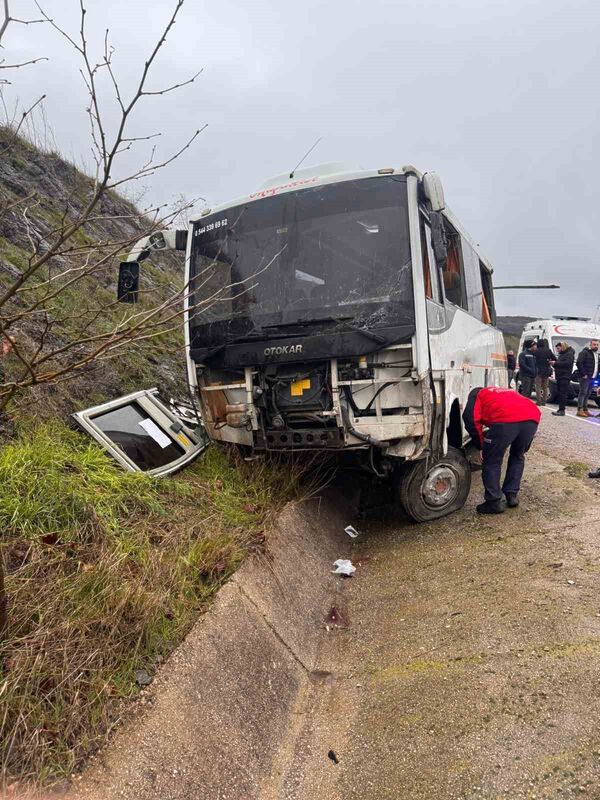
(143, 434)
(139, 437)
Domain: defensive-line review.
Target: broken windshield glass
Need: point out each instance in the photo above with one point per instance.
(339, 250)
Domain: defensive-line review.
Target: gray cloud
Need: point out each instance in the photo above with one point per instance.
(499, 97)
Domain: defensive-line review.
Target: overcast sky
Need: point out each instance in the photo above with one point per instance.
(500, 97)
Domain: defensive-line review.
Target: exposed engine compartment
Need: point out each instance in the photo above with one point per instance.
(330, 404)
(298, 394)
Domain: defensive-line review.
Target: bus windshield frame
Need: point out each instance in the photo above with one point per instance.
(338, 251)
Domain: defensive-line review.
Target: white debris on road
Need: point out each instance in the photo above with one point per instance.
(343, 566)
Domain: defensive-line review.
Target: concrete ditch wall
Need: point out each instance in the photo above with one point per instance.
(225, 704)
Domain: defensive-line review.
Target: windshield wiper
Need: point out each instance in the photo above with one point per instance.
(304, 323)
(298, 324)
(375, 337)
(242, 337)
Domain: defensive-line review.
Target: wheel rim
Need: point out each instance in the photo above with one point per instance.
(440, 486)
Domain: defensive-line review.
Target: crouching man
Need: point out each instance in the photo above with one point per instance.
(510, 420)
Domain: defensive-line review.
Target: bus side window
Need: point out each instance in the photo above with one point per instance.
(430, 271)
(477, 303)
(488, 308)
(453, 275)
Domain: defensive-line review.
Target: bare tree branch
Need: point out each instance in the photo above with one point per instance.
(173, 87)
(7, 19)
(59, 300)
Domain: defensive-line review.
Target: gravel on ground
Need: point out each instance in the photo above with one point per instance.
(470, 661)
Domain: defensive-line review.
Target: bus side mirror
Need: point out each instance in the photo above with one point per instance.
(129, 271)
(129, 282)
(168, 240)
(434, 191)
(439, 241)
(157, 241)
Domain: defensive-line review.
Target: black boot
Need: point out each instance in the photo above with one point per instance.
(594, 474)
(512, 499)
(559, 413)
(491, 507)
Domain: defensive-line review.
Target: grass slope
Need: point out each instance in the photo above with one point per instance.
(106, 572)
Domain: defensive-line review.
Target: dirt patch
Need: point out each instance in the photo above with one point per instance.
(466, 669)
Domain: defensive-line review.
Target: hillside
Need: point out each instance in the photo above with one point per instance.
(513, 325)
(39, 193)
(512, 328)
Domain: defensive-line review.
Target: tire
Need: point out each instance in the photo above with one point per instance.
(429, 491)
(553, 393)
(597, 399)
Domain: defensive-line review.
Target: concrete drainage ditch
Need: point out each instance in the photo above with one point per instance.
(226, 707)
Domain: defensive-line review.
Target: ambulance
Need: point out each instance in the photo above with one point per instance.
(575, 331)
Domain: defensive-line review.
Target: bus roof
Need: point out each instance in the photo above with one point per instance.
(319, 175)
(324, 174)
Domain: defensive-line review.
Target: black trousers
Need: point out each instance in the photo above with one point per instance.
(562, 387)
(497, 439)
(527, 384)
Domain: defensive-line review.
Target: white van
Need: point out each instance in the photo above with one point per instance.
(575, 331)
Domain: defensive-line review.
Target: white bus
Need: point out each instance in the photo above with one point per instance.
(343, 311)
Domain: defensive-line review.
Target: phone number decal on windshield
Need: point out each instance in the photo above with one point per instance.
(212, 226)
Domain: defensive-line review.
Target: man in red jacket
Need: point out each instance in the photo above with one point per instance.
(510, 420)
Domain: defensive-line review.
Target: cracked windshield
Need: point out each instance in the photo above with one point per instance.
(339, 251)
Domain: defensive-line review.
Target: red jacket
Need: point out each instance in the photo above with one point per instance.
(494, 404)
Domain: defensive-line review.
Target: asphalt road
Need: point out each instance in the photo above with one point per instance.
(571, 438)
(467, 661)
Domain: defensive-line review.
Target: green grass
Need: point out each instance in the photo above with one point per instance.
(15, 255)
(577, 469)
(106, 572)
(53, 481)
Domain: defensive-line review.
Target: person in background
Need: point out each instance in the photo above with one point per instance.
(510, 421)
(544, 358)
(587, 367)
(511, 364)
(527, 367)
(563, 370)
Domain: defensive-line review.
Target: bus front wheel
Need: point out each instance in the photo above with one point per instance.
(429, 489)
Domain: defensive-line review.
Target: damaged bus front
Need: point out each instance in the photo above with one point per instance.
(302, 319)
(336, 311)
